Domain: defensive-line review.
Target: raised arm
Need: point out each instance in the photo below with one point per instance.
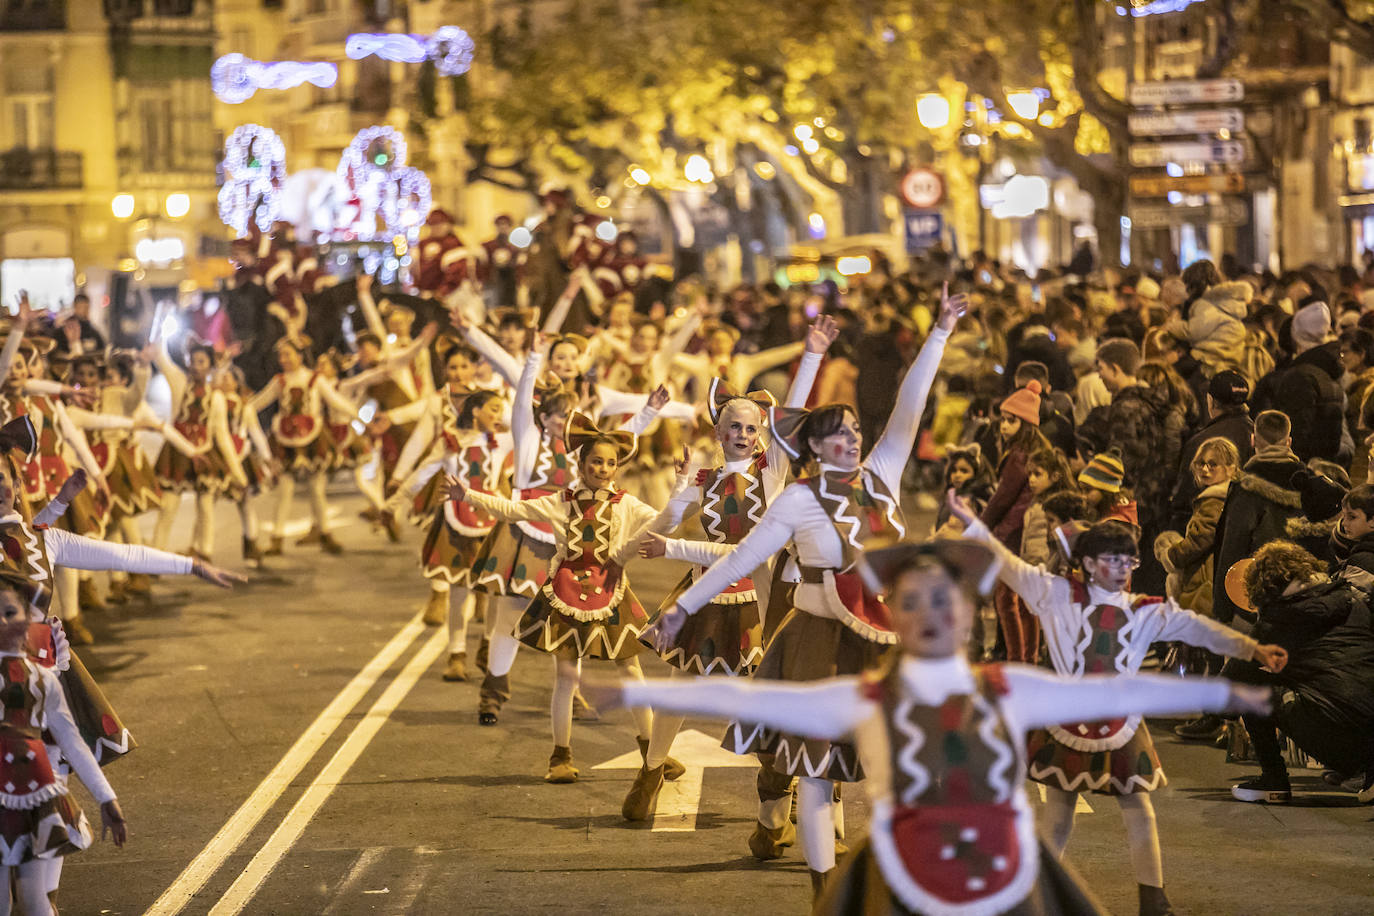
(524, 430)
(828, 709)
(544, 509)
(11, 348)
(505, 365)
(769, 536)
(662, 362)
(267, 396)
(893, 449)
(421, 437)
(176, 379)
(77, 440)
(368, 306)
(1038, 588)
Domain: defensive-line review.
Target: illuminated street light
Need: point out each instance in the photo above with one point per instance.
(520, 237)
(1025, 103)
(640, 176)
(122, 206)
(803, 132)
(177, 205)
(698, 169)
(932, 110)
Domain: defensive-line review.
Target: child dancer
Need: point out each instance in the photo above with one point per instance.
(586, 608)
(199, 415)
(513, 562)
(726, 636)
(1093, 624)
(300, 441)
(952, 832)
(833, 627)
(253, 454)
(468, 446)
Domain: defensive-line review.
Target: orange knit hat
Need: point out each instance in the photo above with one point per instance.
(1024, 403)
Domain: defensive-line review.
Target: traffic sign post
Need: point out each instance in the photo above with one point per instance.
(1153, 155)
(923, 188)
(1232, 183)
(923, 230)
(1180, 92)
(1164, 123)
(1229, 212)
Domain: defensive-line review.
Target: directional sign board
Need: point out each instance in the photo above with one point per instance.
(1191, 184)
(1153, 155)
(1163, 123)
(1161, 216)
(1182, 92)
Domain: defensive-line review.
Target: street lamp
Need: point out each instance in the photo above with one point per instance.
(1025, 103)
(122, 206)
(932, 110)
(177, 205)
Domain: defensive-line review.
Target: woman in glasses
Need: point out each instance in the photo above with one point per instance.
(1094, 625)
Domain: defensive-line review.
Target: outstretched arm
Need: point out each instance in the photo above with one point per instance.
(1040, 698)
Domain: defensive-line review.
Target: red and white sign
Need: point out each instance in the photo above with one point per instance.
(923, 188)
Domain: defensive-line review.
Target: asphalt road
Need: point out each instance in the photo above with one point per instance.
(398, 802)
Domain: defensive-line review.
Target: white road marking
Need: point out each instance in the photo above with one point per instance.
(241, 824)
(317, 793)
(1080, 806)
(366, 859)
(678, 801)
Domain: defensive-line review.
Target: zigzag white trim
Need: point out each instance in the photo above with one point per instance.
(1083, 782)
(117, 748)
(30, 800)
(598, 633)
(787, 760)
(907, 759)
(677, 657)
(1000, 773)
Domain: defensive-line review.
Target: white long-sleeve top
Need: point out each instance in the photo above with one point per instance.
(72, 444)
(443, 458)
(1066, 624)
(687, 496)
(796, 515)
(630, 519)
(319, 394)
(57, 720)
(76, 552)
(414, 376)
(216, 414)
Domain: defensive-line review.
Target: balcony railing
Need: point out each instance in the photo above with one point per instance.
(21, 16)
(39, 170)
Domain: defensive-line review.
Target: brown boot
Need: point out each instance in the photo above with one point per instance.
(457, 669)
(493, 695)
(672, 769)
(643, 795)
(436, 610)
(138, 586)
(767, 843)
(329, 545)
(77, 631)
(561, 769)
(312, 536)
(117, 593)
(483, 651)
(1153, 902)
(273, 547)
(818, 879)
(88, 596)
(582, 710)
(393, 530)
(252, 553)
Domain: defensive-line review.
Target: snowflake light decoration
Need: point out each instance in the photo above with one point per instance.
(385, 196)
(449, 47)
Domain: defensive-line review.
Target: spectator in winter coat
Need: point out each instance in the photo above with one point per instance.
(1308, 390)
(1322, 699)
(1258, 506)
(1214, 318)
(1188, 558)
(1321, 487)
(1352, 540)
(1229, 418)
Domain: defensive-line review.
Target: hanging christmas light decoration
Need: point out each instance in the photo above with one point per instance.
(1141, 8)
(385, 197)
(235, 78)
(254, 169)
(449, 47)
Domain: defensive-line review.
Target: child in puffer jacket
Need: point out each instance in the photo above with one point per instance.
(1215, 327)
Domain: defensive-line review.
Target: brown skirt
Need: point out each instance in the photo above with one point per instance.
(133, 485)
(1133, 767)
(448, 555)
(616, 637)
(305, 460)
(807, 648)
(857, 888)
(510, 562)
(181, 473)
(717, 639)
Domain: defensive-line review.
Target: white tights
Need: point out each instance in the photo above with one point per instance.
(35, 880)
(286, 492)
(502, 616)
(248, 518)
(566, 673)
(462, 604)
(202, 533)
(816, 821)
(665, 728)
(1137, 812)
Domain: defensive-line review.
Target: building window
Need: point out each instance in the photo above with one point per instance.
(28, 93)
(155, 116)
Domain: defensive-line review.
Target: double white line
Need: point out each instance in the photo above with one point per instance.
(237, 829)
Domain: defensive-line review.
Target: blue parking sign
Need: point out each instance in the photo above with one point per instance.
(923, 229)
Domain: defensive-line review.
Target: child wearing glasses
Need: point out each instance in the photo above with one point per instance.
(1093, 624)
